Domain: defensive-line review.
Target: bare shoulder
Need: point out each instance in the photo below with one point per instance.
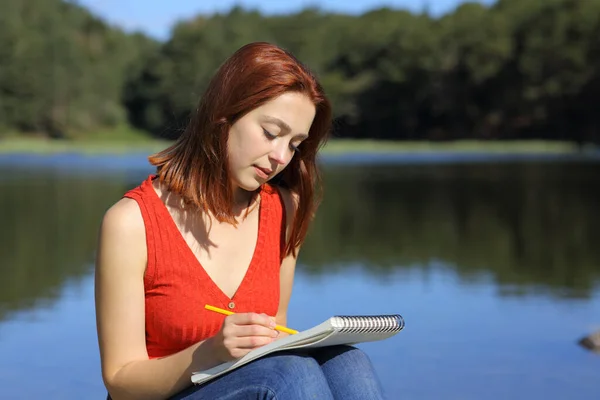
(123, 217)
(122, 236)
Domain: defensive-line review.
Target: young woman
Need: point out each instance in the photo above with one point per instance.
(221, 223)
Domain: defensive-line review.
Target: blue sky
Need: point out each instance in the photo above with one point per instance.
(155, 17)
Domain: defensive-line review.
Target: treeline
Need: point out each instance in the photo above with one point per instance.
(517, 69)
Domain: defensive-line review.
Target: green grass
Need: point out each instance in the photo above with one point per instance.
(40, 146)
(539, 146)
(120, 140)
(127, 141)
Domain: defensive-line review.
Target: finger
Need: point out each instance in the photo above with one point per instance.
(254, 330)
(253, 319)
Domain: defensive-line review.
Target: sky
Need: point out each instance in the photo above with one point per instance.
(156, 17)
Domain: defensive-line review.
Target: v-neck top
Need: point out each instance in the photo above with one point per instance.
(177, 287)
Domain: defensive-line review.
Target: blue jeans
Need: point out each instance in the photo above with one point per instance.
(337, 372)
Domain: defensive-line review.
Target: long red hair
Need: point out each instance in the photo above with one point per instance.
(195, 166)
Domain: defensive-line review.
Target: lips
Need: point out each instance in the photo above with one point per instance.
(263, 172)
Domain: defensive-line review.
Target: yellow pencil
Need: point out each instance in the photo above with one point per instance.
(226, 312)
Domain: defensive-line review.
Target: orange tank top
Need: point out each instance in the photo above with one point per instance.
(177, 287)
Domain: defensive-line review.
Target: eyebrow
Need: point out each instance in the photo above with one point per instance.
(284, 125)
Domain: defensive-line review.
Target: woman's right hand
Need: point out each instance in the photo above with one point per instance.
(242, 333)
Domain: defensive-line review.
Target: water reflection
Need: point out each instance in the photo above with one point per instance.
(48, 235)
(531, 227)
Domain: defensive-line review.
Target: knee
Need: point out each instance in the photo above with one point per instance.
(356, 355)
(350, 373)
(291, 366)
(343, 354)
(349, 361)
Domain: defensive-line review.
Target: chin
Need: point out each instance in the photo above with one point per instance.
(250, 185)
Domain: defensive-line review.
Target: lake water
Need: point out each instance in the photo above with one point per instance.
(495, 267)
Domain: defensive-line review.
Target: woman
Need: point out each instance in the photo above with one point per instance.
(213, 227)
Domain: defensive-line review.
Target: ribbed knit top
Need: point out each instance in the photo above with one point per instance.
(177, 287)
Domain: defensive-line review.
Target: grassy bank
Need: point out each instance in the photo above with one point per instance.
(336, 146)
(458, 146)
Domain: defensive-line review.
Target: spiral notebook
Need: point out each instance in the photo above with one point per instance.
(334, 331)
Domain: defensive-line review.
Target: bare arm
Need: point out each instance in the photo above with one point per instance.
(288, 265)
(126, 370)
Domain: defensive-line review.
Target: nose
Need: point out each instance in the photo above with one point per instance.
(280, 154)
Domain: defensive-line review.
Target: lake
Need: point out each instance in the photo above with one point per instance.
(493, 263)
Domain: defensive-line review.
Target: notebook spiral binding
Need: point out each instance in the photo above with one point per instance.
(368, 323)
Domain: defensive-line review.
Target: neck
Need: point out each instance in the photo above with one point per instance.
(243, 201)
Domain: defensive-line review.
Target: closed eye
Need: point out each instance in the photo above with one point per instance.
(269, 134)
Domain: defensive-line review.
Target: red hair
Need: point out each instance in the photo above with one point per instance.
(195, 166)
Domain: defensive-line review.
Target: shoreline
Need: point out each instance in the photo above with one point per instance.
(333, 147)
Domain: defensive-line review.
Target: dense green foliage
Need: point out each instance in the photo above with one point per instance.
(517, 69)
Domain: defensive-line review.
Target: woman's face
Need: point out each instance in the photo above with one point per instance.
(262, 143)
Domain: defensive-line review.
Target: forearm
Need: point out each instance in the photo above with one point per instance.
(162, 377)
